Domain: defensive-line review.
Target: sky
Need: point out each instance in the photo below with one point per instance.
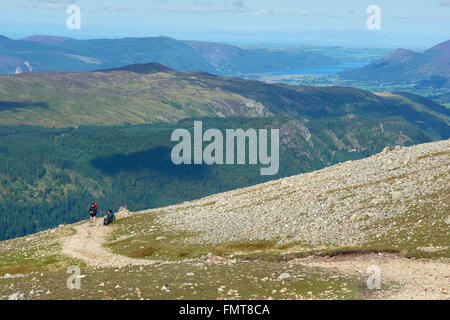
(414, 22)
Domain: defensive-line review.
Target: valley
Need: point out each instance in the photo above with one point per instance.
(106, 135)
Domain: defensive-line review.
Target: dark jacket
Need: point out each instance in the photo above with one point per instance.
(92, 211)
(110, 217)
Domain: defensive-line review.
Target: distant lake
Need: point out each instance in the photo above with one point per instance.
(325, 70)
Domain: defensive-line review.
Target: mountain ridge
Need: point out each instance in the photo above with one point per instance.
(46, 39)
(168, 93)
(58, 54)
(406, 66)
(145, 68)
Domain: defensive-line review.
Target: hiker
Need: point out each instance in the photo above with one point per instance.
(93, 214)
(110, 217)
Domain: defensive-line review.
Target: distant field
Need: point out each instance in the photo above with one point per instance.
(324, 80)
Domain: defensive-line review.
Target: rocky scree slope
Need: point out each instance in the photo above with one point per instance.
(343, 205)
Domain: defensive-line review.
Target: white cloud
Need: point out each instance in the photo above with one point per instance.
(238, 7)
(44, 4)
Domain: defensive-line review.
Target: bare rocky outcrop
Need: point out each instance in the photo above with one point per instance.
(123, 213)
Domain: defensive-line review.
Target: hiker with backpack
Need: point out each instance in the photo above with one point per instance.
(93, 214)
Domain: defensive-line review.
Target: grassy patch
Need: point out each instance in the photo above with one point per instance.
(154, 241)
(432, 155)
(145, 252)
(422, 226)
(186, 281)
(39, 252)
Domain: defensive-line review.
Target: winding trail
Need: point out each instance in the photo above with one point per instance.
(416, 279)
(87, 244)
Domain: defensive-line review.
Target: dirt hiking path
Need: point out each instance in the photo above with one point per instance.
(413, 279)
(87, 245)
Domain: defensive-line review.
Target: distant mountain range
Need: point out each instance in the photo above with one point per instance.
(41, 53)
(431, 67)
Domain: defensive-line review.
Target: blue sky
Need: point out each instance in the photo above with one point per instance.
(228, 20)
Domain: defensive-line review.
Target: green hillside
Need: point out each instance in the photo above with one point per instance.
(123, 97)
